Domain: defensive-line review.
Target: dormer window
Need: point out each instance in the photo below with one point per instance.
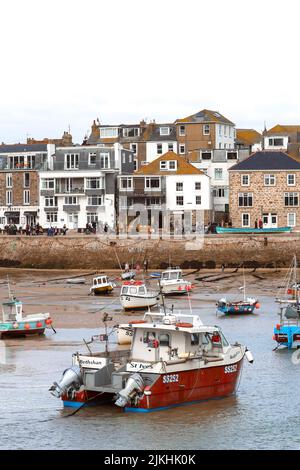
(164, 130)
(163, 165)
(170, 165)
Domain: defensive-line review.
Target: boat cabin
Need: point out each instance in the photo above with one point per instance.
(133, 288)
(12, 311)
(174, 339)
(100, 281)
(172, 274)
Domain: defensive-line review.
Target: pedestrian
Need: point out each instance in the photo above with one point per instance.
(145, 265)
(260, 223)
(126, 268)
(255, 224)
(94, 225)
(105, 227)
(64, 230)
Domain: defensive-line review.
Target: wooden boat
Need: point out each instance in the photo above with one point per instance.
(174, 360)
(253, 230)
(171, 282)
(244, 306)
(15, 323)
(136, 295)
(101, 285)
(287, 330)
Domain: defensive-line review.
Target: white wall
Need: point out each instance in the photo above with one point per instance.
(227, 136)
(188, 192)
(151, 149)
(272, 147)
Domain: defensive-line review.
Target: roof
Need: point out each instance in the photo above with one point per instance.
(267, 160)
(248, 136)
(13, 148)
(152, 133)
(282, 130)
(183, 167)
(204, 116)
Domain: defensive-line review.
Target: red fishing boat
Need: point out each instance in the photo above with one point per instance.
(174, 360)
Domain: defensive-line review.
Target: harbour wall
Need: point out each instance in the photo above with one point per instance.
(92, 252)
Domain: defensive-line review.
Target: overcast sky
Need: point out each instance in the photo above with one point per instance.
(67, 62)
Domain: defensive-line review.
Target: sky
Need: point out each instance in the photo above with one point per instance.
(67, 62)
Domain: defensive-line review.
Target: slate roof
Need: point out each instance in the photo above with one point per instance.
(15, 148)
(206, 115)
(183, 167)
(267, 160)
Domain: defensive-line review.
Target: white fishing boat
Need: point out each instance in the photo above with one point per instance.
(172, 282)
(136, 295)
(101, 285)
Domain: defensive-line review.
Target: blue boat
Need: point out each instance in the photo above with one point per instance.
(287, 331)
(253, 230)
(245, 306)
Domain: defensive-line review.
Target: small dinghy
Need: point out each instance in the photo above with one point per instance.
(79, 280)
(101, 285)
(127, 276)
(171, 282)
(136, 295)
(244, 306)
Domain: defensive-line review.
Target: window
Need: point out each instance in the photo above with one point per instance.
(172, 165)
(9, 198)
(291, 219)
(50, 201)
(198, 200)
(179, 186)
(182, 148)
(194, 339)
(181, 130)
(71, 200)
(206, 155)
(126, 184)
(164, 131)
(51, 217)
(163, 165)
(153, 201)
(245, 180)
(94, 200)
(26, 197)
(291, 199)
(94, 183)
(164, 339)
(152, 184)
(123, 158)
(104, 160)
(276, 142)
(220, 129)
(47, 183)
(220, 192)
(135, 165)
(131, 132)
(245, 199)
(168, 165)
(206, 129)
(71, 161)
(9, 180)
(269, 180)
(245, 220)
(170, 147)
(291, 180)
(179, 200)
(133, 147)
(92, 158)
(232, 155)
(26, 180)
(197, 185)
(218, 173)
(159, 149)
(91, 217)
(108, 132)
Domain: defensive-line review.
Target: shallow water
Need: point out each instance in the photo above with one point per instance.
(263, 414)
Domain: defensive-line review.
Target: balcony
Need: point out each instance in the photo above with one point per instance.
(95, 208)
(69, 191)
(71, 208)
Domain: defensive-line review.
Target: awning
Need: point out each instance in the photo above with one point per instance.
(30, 213)
(12, 214)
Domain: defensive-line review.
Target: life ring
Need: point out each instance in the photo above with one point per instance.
(184, 325)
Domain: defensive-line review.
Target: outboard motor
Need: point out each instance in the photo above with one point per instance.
(70, 377)
(133, 385)
(249, 356)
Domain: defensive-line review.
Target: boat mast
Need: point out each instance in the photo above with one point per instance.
(244, 286)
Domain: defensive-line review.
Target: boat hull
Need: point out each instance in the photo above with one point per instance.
(129, 302)
(21, 329)
(288, 336)
(101, 290)
(176, 288)
(236, 310)
(176, 389)
(253, 230)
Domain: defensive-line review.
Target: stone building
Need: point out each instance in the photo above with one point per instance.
(265, 185)
(19, 182)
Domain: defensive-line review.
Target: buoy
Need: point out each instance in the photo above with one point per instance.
(278, 327)
(15, 325)
(39, 324)
(135, 322)
(249, 356)
(48, 321)
(27, 326)
(257, 305)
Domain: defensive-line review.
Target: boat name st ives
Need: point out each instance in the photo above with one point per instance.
(140, 365)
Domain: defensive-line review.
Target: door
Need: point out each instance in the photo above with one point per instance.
(73, 221)
(270, 220)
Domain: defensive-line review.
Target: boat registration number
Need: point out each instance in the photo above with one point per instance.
(170, 378)
(230, 369)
